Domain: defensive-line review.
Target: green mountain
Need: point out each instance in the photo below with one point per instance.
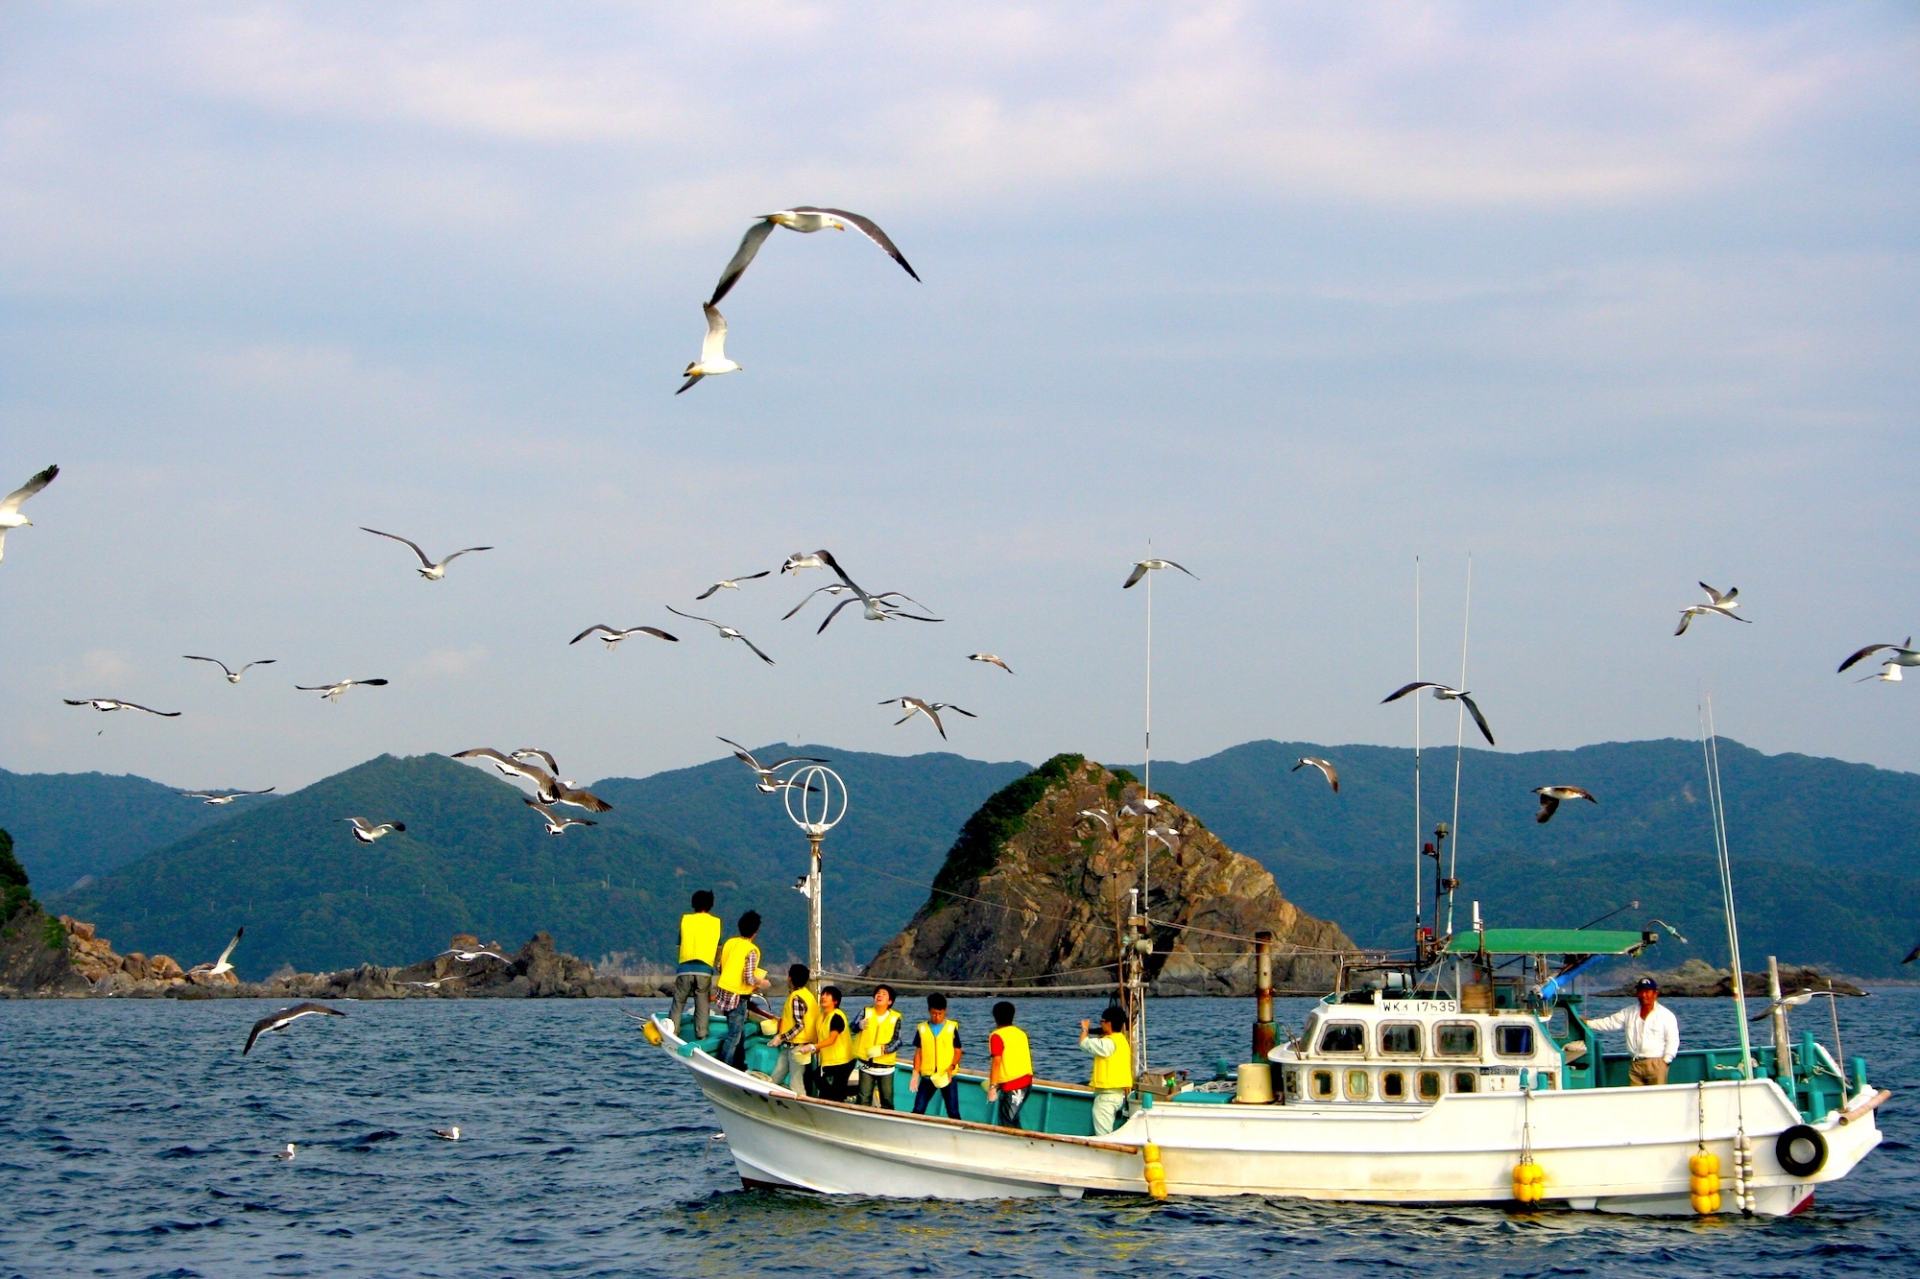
(70, 825)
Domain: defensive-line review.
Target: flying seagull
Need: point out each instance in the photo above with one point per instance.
(1142, 567)
(366, 832)
(915, 706)
(763, 773)
(556, 825)
(10, 517)
(804, 218)
(802, 559)
(428, 569)
(1721, 602)
(1889, 671)
(216, 798)
(886, 598)
(548, 789)
(468, 956)
(281, 1020)
(1442, 693)
(220, 965)
(802, 887)
(992, 659)
(1795, 1000)
(1904, 654)
(1326, 768)
(115, 704)
(331, 692)
(732, 583)
(713, 359)
(612, 636)
(1552, 796)
(1167, 835)
(726, 632)
(877, 608)
(233, 676)
(1096, 815)
(1135, 804)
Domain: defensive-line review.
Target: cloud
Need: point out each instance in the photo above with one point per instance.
(448, 663)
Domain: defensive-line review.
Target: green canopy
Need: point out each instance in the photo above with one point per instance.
(1548, 941)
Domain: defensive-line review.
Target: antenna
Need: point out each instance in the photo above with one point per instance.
(1459, 746)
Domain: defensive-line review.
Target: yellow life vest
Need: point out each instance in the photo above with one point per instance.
(806, 1020)
(733, 962)
(840, 1051)
(1114, 1072)
(878, 1029)
(1015, 1060)
(938, 1055)
(699, 938)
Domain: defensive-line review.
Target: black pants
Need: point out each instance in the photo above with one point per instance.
(836, 1082)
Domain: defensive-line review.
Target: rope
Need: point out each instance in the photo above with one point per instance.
(853, 980)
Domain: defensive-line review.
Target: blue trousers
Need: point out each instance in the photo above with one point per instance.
(735, 1040)
(951, 1093)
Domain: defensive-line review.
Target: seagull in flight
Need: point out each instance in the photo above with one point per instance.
(1721, 602)
(233, 676)
(877, 609)
(992, 659)
(1142, 567)
(802, 559)
(1167, 835)
(1096, 815)
(10, 517)
(366, 832)
(1904, 654)
(548, 788)
(1551, 798)
(806, 219)
(726, 632)
(612, 636)
(1135, 804)
(428, 569)
(1327, 770)
(1796, 1000)
(280, 1021)
(556, 825)
(468, 956)
(115, 704)
(763, 774)
(1889, 671)
(331, 692)
(217, 798)
(713, 359)
(220, 965)
(915, 706)
(732, 583)
(1442, 693)
(802, 887)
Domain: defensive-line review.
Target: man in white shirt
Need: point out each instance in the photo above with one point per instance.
(1653, 1034)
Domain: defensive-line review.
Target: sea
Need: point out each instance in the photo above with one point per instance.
(136, 1140)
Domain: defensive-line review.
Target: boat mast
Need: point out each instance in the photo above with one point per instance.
(1137, 1039)
(1717, 804)
(1419, 818)
(1459, 751)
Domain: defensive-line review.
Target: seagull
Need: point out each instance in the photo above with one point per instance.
(1167, 835)
(233, 676)
(280, 1021)
(115, 704)
(841, 588)
(713, 359)
(1142, 567)
(804, 218)
(612, 636)
(1551, 797)
(1671, 929)
(428, 569)
(287, 1152)
(914, 706)
(10, 517)
(763, 773)
(331, 692)
(876, 606)
(217, 798)
(220, 965)
(508, 765)
(468, 956)
(802, 559)
(1326, 768)
(448, 1134)
(1904, 654)
(732, 583)
(1889, 671)
(548, 789)
(1721, 602)
(528, 754)
(801, 886)
(726, 632)
(1097, 816)
(556, 825)
(1796, 1000)
(427, 985)
(993, 659)
(1134, 804)
(366, 832)
(1442, 693)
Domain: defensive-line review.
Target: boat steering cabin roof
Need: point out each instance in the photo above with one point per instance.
(1549, 941)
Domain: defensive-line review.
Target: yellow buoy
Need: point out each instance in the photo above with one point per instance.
(1529, 1182)
(1153, 1170)
(650, 1032)
(1704, 1164)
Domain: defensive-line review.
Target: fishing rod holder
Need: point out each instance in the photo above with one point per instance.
(822, 804)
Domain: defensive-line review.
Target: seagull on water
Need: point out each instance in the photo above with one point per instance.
(366, 832)
(992, 659)
(1143, 567)
(556, 825)
(763, 774)
(428, 569)
(233, 676)
(286, 1152)
(10, 517)
(216, 798)
(1327, 770)
(732, 583)
(612, 636)
(806, 219)
(1904, 654)
(915, 706)
(448, 1134)
(1721, 602)
(115, 704)
(1551, 798)
(220, 965)
(713, 359)
(331, 692)
(1442, 693)
(283, 1019)
(726, 632)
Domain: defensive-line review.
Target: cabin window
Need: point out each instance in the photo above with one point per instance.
(1429, 1083)
(1457, 1039)
(1464, 1081)
(1393, 1086)
(1400, 1038)
(1344, 1037)
(1293, 1083)
(1323, 1085)
(1513, 1041)
(1359, 1085)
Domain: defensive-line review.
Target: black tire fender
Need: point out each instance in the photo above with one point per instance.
(1801, 1150)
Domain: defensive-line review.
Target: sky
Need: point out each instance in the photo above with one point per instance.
(1600, 299)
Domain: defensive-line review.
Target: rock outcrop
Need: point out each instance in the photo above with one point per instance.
(1033, 889)
(1697, 979)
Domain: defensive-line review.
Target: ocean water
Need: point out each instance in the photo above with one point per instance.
(136, 1140)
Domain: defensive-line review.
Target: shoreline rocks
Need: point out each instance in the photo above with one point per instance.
(1697, 979)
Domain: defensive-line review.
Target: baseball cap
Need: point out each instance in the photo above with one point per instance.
(1646, 983)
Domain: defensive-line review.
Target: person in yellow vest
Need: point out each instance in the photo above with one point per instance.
(1010, 1077)
(878, 1047)
(936, 1058)
(836, 1047)
(699, 951)
(1112, 1067)
(739, 976)
(798, 1020)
